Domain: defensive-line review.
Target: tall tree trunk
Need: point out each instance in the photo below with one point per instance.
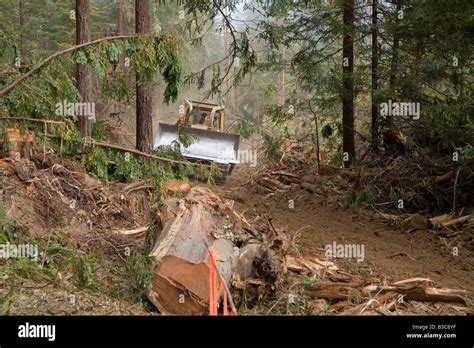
(119, 31)
(120, 17)
(21, 11)
(83, 71)
(375, 61)
(281, 88)
(348, 145)
(144, 133)
(393, 65)
(226, 57)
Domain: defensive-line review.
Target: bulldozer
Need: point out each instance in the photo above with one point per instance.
(205, 122)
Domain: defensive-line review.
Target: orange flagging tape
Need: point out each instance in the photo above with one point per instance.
(225, 298)
(213, 288)
(212, 283)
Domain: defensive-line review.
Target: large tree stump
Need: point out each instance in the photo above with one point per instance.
(180, 284)
(189, 225)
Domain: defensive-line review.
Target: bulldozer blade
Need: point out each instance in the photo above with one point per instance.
(218, 147)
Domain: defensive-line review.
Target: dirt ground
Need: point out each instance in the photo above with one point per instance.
(391, 253)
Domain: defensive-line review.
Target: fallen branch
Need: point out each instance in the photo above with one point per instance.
(291, 175)
(143, 154)
(130, 232)
(32, 120)
(456, 221)
(271, 184)
(136, 184)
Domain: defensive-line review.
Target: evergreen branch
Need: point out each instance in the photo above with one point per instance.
(41, 64)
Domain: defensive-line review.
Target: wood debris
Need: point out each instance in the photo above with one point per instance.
(376, 295)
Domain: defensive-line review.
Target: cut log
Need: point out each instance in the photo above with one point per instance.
(413, 289)
(459, 220)
(437, 221)
(434, 295)
(448, 220)
(414, 282)
(419, 293)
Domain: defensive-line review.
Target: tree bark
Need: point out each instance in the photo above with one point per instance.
(120, 29)
(22, 28)
(348, 144)
(393, 65)
(83, 71)
(144, 131)
(281, 88)
(375, 116)
(120, 17)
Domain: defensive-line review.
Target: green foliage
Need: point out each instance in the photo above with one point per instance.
(62, 257)
(466, 155)
(139, 270)
(39, 95)
(101, 130)
(185, 139)
(110, 164)
(97, 162)
(272, 147)
(367, 195)
(7, 303)
(85, 267)
(326, 131)
(128, 167)
(244, 128)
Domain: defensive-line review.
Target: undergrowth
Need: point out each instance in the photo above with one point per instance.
(61, 264)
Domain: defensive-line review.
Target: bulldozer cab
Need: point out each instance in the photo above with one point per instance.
(203, 115)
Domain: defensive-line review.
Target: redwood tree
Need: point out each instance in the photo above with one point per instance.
(393, 67)
(144, 132)
(83, 71)
(348, 145)
(375, 61)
